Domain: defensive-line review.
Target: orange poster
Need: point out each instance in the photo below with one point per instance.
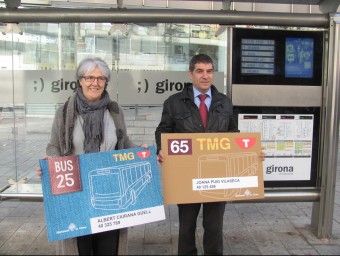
(211, 167)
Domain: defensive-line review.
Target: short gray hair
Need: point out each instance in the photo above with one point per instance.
(88, 65)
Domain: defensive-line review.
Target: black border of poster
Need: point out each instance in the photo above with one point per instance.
(315, 111)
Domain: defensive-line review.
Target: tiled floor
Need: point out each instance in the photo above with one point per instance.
(249, 228)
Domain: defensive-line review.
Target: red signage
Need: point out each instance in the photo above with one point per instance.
(64, 174)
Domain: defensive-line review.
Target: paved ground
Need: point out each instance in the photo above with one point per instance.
(249, 228)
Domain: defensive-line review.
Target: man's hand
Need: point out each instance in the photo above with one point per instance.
(262, 155)
(160, 157)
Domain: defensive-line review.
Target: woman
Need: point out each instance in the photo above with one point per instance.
(89, 122)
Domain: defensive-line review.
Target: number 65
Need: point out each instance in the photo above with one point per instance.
(179, 146)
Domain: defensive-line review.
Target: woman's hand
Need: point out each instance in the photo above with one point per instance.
(144, 146)
(39, 172)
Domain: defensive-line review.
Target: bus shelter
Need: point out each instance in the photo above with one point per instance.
(277, 60)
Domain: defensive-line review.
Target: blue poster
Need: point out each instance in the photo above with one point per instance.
(92, 193)
(299, 57)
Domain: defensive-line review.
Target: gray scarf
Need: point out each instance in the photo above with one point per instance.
(93, 116)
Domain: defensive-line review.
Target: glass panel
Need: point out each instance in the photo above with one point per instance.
(8, 126)
(38, 69)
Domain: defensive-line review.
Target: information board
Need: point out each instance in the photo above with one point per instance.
(290, 140)
(287, 142)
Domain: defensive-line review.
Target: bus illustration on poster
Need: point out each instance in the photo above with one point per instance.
(228, 165)
(131, 180)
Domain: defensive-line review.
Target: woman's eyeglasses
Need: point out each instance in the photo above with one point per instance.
(90, 79)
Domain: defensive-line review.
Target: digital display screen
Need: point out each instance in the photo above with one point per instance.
(277, 57)
(258, 56)
(299, 57)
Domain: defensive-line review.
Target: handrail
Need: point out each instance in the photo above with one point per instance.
(33, 192)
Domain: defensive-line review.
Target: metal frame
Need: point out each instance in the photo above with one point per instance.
(322, 214)
(122, 15)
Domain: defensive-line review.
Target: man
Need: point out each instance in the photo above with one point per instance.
(181, 114)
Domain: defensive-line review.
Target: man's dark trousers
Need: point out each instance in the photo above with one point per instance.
(212, 224)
